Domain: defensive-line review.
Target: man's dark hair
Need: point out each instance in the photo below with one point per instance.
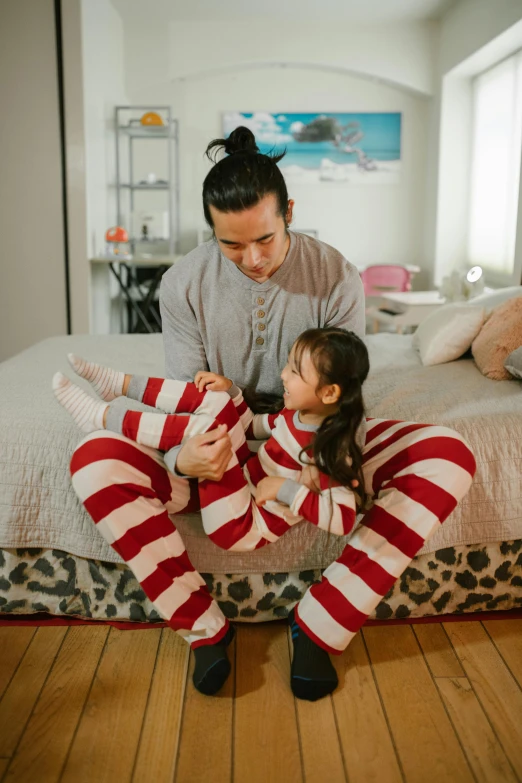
(243, 177)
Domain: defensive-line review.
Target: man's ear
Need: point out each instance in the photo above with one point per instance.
(330, 394)
(289, 211)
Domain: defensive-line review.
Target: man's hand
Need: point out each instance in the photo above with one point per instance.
(206, 456)
(211, 381)
(267, 489)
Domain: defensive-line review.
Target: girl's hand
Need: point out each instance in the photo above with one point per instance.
(267, 489)
(210, 381)
(310, 479)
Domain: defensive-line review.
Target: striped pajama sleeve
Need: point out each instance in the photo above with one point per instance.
(170, 425)
(333, 508)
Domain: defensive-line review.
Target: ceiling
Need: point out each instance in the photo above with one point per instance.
(356, 11)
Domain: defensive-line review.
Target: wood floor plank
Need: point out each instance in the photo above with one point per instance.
(426, 742)
(105, 744)
(266, 741)
(158, 746)
(3, 766)
(437, 650)
(205, 744)
(24, 689)
(495, 687)
(40, 756)
(365, 739)
(507, 635)
(320, 746)
(13, 643)
(485, 756)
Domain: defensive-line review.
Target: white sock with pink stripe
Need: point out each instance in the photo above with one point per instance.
(107, 383)
(85, 410)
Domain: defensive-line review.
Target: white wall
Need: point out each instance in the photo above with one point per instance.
(104, 88)
(474, 35)
(368, 223)
(470, 25)
(204, 68)
(396, 53)
(32, 264)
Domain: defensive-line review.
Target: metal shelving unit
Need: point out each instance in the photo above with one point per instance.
(128, 131)
(139, 277)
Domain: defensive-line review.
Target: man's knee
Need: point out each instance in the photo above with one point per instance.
(106, 457)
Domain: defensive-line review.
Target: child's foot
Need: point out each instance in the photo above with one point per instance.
(212, 665)
(107, 383)
(312, 674)
(86, 411)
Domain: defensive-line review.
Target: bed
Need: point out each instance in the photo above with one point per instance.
(52, 558)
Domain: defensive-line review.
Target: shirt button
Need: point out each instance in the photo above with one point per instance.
(261, 327)
(260, 300)
(260, 313)
(260, 341)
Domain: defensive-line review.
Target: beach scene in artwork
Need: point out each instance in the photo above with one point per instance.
(356, 148)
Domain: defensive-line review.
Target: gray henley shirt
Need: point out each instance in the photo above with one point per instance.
(216, 318)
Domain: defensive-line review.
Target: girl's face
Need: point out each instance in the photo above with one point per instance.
(301, 391)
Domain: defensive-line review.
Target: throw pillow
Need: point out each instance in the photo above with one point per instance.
(494, 298)
(513, 363)
(448, 332)
(498, 338)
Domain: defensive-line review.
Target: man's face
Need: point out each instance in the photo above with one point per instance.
(255, 240)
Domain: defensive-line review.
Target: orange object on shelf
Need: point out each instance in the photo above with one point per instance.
(151, 118)
(116, 234)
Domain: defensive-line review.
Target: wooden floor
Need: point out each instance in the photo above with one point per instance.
(433, 702)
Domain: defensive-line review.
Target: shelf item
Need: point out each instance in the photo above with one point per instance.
(144, 132)
(131, 173)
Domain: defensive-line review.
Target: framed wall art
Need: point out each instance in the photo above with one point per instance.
(362, 147)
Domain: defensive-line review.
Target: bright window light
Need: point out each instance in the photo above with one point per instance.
(495, 165)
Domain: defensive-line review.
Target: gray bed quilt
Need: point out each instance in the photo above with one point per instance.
(38, 507)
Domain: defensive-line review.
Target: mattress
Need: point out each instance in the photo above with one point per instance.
(455, 580)
(39, 509)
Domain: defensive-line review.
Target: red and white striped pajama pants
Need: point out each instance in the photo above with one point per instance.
(417, 474)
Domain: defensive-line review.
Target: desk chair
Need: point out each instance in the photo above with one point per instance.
(382, 279)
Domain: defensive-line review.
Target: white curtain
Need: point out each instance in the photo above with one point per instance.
(495, 165)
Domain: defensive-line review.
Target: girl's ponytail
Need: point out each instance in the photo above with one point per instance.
(336, 451)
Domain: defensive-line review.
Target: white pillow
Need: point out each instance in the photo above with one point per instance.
(494, 298)
(448, 332)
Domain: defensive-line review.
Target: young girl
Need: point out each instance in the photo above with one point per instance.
(260, 495)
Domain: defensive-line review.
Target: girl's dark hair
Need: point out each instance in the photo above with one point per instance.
(243, 177)
(339, 357)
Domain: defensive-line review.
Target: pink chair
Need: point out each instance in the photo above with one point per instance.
(382, 278)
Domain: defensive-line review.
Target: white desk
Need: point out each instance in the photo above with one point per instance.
(139, 295)
(408, 308)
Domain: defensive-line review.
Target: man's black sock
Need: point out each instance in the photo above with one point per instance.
(312, 675)
(212, 665)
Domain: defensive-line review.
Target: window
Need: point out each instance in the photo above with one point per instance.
(495, 165)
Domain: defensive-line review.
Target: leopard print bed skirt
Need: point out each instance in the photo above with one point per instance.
(455, 580)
